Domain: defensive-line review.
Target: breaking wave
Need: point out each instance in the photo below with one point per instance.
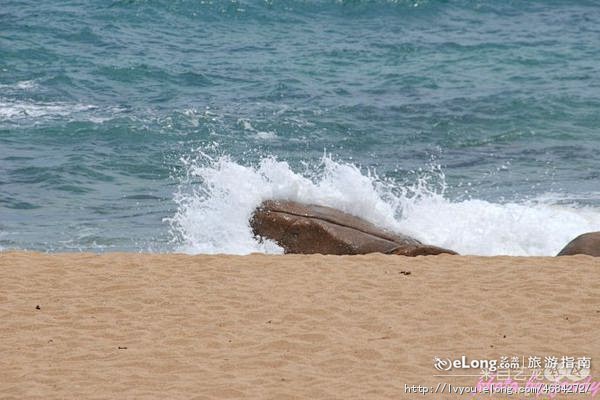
(218, 196)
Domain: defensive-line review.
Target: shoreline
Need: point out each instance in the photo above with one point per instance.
(260, 254)
(281, 326)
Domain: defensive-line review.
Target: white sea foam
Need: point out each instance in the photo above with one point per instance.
(213, 212)
(21, 85)
(10, 110)
(259, 134)
(26, 85)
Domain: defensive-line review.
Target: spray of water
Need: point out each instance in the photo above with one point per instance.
(218, 196)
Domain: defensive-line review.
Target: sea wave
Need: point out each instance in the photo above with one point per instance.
(13, 110)
(20, 85)
(218, 196)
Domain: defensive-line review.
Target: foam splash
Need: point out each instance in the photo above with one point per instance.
(219, 196)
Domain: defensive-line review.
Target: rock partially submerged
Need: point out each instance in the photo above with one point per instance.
(588, 243)
(308, 229)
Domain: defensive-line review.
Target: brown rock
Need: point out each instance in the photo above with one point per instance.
(588, 243)
(307, 229)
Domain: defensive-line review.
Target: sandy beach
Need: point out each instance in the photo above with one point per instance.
(281, 327)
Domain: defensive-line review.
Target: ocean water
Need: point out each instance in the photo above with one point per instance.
(160, 125)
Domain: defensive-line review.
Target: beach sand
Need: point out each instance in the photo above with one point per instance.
(281, 327)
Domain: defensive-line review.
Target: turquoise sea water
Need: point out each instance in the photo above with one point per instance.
(160, 125)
